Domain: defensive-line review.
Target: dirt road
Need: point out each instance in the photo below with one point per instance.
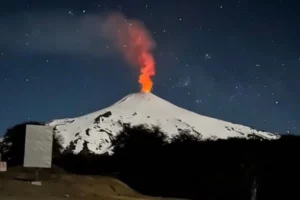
(67, 186)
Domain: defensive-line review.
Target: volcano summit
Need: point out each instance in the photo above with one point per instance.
(95, 130)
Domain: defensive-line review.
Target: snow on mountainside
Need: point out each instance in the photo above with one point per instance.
(95, 130)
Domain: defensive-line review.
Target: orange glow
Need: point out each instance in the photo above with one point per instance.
(146, 72)
(136, 44)
(139, 51)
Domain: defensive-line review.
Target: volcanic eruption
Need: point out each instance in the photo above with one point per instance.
(136, 44)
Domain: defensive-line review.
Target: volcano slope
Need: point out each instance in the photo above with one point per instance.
(94, 132)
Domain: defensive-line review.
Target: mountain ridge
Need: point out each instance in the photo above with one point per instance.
(96, 130)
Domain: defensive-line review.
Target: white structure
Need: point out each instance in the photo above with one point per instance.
(3, 166)
(38, 146)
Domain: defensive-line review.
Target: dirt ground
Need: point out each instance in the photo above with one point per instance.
(65, 186)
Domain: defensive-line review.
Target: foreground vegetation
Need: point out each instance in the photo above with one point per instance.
(185, 167)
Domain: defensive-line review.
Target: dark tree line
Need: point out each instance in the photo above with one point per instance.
(12, 147)
(185, 166)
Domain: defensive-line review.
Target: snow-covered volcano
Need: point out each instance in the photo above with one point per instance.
(95, 130)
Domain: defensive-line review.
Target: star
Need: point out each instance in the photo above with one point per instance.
(63, 42)
(198, 101)
(231, 97)
(207, 56)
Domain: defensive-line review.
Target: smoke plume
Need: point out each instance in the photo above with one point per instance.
(135, 43)
(60, 33)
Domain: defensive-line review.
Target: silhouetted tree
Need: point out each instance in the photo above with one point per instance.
(13, 145)
(185, 136)
(186, 166)
(57, 147)
(141, 138)
(208, 169)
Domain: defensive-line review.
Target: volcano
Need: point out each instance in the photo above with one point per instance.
(96, 130)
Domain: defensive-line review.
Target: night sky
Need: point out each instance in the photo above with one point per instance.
(238, 61)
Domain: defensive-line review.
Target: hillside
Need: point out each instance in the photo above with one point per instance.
(67, 186)
(94, 131)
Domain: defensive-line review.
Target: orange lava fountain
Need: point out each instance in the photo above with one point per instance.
(133, 39)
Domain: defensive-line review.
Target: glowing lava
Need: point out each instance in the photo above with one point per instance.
(136, 44)
(146, 72)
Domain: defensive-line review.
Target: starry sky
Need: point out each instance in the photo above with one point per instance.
(234, 60)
